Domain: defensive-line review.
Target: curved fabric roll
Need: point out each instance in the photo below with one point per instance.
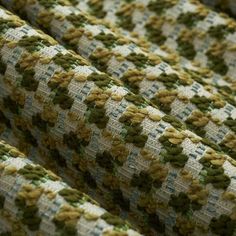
(97, 133)
(171, 89)
(69, 33)
(189, 27)
(35, 201)
(135, 19)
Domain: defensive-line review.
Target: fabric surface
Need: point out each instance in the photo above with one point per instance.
(184, 26)
(119, 128)
(176, 92)
(187, 27)
(35, 200)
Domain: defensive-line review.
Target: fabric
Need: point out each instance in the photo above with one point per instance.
(228, 6)
(184, 26)
(133, 152)
(35, 200)
(187, 27)
(177, 92)
(87, 126)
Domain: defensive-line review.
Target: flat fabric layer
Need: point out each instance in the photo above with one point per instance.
(142, 162)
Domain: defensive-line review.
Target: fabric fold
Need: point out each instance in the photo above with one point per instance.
(176, 92)
(227, 6)
(189, 27)
(34, 200)
(110, 141)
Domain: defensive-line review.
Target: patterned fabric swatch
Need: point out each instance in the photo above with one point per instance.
(35, 201)
(145, 164)
(182, 95)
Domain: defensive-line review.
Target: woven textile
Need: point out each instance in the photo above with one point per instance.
(117, 123)
(35, 200)
(174, 91)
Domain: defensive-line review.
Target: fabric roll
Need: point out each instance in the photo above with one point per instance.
(176, 92)
(189, 27)
(112, 143)
(35, 201)
(134, 19)
(214, 81)
(167, 30)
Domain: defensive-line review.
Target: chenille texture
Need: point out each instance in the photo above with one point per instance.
(130, 103)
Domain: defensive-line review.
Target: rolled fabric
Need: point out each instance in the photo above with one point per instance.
(175, 92)
(128, 16)
(35, 201)
(141, 162)
(60, 22)
(189, 27)
(220, 82)
(147, 33)
(135, 19)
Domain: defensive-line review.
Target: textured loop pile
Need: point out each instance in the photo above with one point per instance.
(142, 118)
(34, 200)
(141, 71)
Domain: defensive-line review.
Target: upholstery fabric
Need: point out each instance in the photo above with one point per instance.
(35, 200)
(142, 118)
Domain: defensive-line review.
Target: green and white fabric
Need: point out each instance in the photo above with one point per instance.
(35, 201)
(184, 25)
(109, 141)
(176, 92)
